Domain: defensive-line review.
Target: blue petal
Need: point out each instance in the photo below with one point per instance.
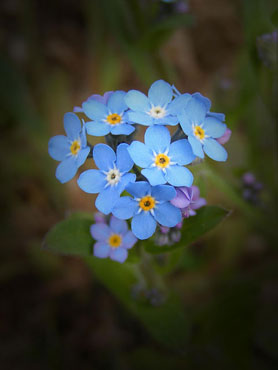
(129, 240)
(197, 146)
(143, 225)
(167, 120)
(185, 123)
(179, 176)
(122, 129)
(106, 199)
(101, 250)
(125, 180)
(58, 147)
(104, 157)
(97, 128)
(215, 151)
(203, 100)
(137, 101)
(141, 118)
(196, 111)
(163, 192)
(95, 110)
(139, 189)
(83, 136)
(124, 162)
(140, 154)
(125, 208)
(220, 116)
(160, 93)
(167, 215)
(158, 138)
(178, 104)
(92, 181)
(118, 226)
(100, 231)
(181, 152)
(118, 254)
(72, 125)
(154, 175)
(66, 170)
(116, 102)
(213, 127)
(82, 156)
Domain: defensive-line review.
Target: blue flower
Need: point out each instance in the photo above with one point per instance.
(149, 205)
(162, 161)
(202, 128)
(71, 150)
(111, 178)
(108, 116)
(156, 109)
(112, 241)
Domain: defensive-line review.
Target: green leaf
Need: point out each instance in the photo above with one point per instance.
(71, 236)
(193, 228)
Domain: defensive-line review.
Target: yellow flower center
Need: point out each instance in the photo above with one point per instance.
(114, 118)
(75, 147)
(147, 203)
(162, 160)
(115, 240)
(199, 132)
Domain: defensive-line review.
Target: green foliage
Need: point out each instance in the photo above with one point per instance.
(194, 227)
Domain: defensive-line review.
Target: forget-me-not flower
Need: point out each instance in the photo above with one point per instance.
(147, 206)
(71, 150)
(114, 240)
(202, 128)
(162, 161)
(108, 116)
(157, 108)
(111, 178)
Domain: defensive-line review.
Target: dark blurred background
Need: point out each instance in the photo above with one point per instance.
(54, 313)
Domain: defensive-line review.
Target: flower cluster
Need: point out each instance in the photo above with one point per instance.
(153, 175)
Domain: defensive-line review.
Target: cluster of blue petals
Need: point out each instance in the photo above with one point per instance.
(149, 171)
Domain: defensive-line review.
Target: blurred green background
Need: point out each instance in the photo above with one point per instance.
(55, 313)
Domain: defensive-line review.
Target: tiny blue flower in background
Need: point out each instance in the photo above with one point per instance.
(71, 150)
(102, 99)
(156, 109)
(113, 241)
(108, 115)
(111, 178)
(149, 205)
(202, 128)
(162, 161)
